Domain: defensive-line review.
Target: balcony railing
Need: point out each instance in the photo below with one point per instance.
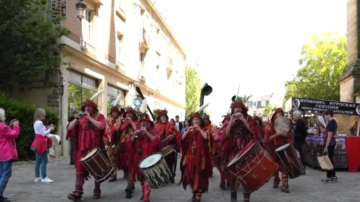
(86, 46)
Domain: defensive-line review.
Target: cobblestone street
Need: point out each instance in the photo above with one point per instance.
(22, 187)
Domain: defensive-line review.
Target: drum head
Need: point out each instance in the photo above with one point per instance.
(242, 153)
(283, 147)
(92, 152)
(150, 160)
(282, 123)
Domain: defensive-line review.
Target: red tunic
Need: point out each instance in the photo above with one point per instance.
(235, 142)
(164, 130)
(86, 138)
(272, 145)
(140, 148)
(209, 130)
(122, 145)
(195, 162)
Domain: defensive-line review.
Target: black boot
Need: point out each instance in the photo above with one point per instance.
(233, 196)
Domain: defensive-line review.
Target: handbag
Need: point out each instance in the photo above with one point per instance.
(325, 163)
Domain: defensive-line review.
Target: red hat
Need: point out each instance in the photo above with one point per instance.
(162, 112)
(131, 111)
(89, 103)
(237, 105)
(146, 117)
(195, 115)
(115, 109)
(207, 117)
(274, 115)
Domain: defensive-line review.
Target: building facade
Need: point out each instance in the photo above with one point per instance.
(257, 107)
(118, 45)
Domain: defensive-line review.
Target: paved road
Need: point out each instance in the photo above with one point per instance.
(22, 188)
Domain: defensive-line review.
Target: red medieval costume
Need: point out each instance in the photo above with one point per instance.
(260, 138)
(88, 134)
(273, 141)
(127, 128)
(208, 128)
(143, 142)
(111, 131)
(168, 133)
(218, 157)
(239, 130)
(195, 163)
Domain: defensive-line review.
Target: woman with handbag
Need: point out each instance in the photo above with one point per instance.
(8, 134)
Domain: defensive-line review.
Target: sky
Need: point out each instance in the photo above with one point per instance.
(254, 44)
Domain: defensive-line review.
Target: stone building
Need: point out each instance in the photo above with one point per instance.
(117, 45)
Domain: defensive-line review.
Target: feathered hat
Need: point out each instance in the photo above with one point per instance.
(90, 102)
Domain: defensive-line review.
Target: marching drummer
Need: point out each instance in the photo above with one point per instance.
(88, 129)
(168, 134)
(218, 158)
(110, 134)
(195, 163)
(143, 142)
(128, 125)
(273, 141)
(239, 130)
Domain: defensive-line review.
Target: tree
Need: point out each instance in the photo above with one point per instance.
(28, 44)
(268, 109)
(192, 90)
(323, 60)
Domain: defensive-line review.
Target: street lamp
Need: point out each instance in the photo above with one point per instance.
(80, 7)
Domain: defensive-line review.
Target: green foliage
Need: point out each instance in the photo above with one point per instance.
(268, 109)
(323, 60)
(78, 95)
(28, 42)
(192, 90)
(24, 112)
(243, 99)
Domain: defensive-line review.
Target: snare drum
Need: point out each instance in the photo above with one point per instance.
(155, 170)
(291, 161)
(97, 163)
(168, 150)
(253, 166)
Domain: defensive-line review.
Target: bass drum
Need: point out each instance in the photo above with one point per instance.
(253, 166)
(97, 163)
(155, 170)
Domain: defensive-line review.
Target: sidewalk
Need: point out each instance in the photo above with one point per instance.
(22, 188)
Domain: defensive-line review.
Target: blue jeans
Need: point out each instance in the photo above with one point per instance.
(5, 174)
(41, 163)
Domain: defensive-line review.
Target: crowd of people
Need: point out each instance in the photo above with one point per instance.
(128, 137)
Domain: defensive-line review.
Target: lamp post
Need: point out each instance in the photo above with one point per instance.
(80, 7)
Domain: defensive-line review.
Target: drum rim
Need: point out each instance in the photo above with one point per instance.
(96, 148)
(241, 152)
(284, 146)
(145, 168)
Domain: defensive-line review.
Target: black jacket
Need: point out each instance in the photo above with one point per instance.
(300, 131)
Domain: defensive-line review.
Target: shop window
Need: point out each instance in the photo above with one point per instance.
(80, 89)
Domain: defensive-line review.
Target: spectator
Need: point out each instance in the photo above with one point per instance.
(330, 143)
(300, 134)
(186, 126)
(74, 115)
(178, 124)
(8, 153)
(41, 145)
